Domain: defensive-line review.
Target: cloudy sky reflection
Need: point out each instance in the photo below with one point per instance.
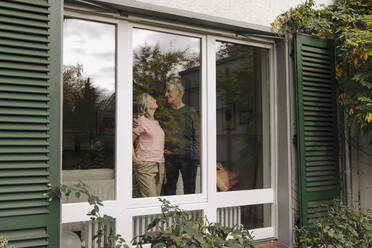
(91, 44)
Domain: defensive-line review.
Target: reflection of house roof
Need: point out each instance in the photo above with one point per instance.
(108, 104)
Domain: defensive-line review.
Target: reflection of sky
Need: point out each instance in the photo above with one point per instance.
(166, 42)
(91, 44)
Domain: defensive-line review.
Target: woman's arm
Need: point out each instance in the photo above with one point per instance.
(134, 157)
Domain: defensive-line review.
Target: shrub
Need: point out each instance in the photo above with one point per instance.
(343, 227)
(177, 228)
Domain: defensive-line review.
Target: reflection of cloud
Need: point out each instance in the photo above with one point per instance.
(86, 29)
(109, 69)
(77, 50)
(166, 41)
(91, 44)
(108, 56)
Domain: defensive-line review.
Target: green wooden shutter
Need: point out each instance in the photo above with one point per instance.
(316, 126)
(29, 120)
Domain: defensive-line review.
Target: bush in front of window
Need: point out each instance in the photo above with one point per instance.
(344, 226)
(174, 228)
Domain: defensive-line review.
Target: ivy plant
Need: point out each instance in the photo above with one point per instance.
(344, 227)
(4, 243)
(349, 24)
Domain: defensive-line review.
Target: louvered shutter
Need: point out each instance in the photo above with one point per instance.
(29, 120)
(316, 126)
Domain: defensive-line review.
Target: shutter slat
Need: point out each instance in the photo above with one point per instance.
(23, 181)
(24, 196)
(39, 3)
(23, 74)
(23, 204)
(23, 173)
(24, 48)
(15, 111)
(23, 104)
(25, 157)
(23, 59)
(23, 165)
(22, 22)
(25, 211)
(24, 30)
(22, 189)
(316, 126)
(22, 15)
(24, 37)
(20, 119)
(23, 150)
(24, 7)
(29, 97)
(23, 67)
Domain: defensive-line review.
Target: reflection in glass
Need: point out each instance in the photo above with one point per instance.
(251, 217)
(242, 117)
(89, 106)
(166, 110)
(81, 234)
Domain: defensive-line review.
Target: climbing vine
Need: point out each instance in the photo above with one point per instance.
(349, 24)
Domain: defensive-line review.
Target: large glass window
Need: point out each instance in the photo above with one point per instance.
(166, 110)
(242, 117)
(89, 106)
(169, 98)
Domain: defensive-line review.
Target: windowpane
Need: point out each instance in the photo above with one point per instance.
(81, 234)
(242, 117)
(251, 217)
(166, 110)
(89, 106)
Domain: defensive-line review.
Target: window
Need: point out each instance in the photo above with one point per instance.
(187, 109)
(89, 106)
(242, 116)
(166, 111)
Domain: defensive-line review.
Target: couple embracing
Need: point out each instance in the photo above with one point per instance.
(153, 168)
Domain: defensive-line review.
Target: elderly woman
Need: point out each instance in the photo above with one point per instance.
(148, 154)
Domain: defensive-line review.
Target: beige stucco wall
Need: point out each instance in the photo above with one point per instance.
(261, 12)
(362, 168)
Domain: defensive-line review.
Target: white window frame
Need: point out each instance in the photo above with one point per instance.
(124, 207)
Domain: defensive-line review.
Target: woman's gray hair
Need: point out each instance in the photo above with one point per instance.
(177, 85)
(142, 103)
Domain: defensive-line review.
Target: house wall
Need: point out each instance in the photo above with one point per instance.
(362, 168)
(252, 11)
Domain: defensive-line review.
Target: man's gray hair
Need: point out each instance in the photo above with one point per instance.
(142, 103)
(177, 85)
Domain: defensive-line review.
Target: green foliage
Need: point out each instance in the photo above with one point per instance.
(177, 228)
(105, 233)
(344, 227)
(349, 24)
(4, 243)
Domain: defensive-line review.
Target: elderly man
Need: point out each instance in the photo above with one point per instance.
(182, 141)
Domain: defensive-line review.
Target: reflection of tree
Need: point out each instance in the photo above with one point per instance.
(82, 105)
(152, 69)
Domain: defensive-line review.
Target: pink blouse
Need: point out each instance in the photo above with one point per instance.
(150, 141)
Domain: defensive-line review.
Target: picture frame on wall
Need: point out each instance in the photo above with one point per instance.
(245, 117)
(228, 122)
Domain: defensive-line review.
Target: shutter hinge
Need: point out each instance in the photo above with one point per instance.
(294, 139)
